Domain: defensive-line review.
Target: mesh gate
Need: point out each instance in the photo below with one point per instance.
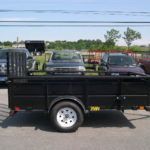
(16, 64)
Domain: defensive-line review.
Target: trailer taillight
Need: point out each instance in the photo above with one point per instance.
(17, 108)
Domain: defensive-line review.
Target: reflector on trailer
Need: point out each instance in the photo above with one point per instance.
(141, 108)
(17, 108)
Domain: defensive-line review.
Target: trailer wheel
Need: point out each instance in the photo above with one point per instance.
(66, 116)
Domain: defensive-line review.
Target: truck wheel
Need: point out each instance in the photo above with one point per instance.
(66, 116)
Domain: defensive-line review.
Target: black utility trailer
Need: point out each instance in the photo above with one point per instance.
(68, 98)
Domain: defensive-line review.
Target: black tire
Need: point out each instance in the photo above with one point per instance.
(63, 105)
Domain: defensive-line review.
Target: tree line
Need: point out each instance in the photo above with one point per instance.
(111, 38)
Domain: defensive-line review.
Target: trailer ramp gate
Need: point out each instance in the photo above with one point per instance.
(16, 64)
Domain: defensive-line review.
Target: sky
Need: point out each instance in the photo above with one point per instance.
(72, 10)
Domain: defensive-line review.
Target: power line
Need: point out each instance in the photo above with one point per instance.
(64, 11)
(75, 22)
(8, 25)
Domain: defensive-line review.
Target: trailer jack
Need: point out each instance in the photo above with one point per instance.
(120, 102)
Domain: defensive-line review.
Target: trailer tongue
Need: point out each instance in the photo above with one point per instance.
(67, 98)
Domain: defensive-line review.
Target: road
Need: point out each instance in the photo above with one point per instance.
(108, 130)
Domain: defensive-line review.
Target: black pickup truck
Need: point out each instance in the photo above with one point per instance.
(68, 98)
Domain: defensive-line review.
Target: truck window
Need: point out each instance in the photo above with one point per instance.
(3, 55)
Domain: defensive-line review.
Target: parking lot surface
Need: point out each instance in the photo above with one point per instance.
(108, 130)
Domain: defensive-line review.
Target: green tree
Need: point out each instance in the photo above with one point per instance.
(8, 44)
(131, 35)
(112, 37)
(78, 45)
(1, 44)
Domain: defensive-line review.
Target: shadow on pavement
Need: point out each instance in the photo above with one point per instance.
(107, 118)
(40, 120)
(138, 116)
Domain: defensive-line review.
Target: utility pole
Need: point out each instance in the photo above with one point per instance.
(17, 41)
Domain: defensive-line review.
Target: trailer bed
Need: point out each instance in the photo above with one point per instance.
(104, 92)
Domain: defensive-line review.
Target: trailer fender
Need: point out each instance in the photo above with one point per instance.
(67, 98)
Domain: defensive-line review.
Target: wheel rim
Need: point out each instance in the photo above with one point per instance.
(66, 117)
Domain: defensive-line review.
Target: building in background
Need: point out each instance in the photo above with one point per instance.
(18, 45)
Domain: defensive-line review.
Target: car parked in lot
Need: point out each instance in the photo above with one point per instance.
(65, 62)
(119, 64)
(145, 62)
(31, 63)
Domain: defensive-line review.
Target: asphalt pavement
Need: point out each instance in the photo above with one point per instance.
(108, 130)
